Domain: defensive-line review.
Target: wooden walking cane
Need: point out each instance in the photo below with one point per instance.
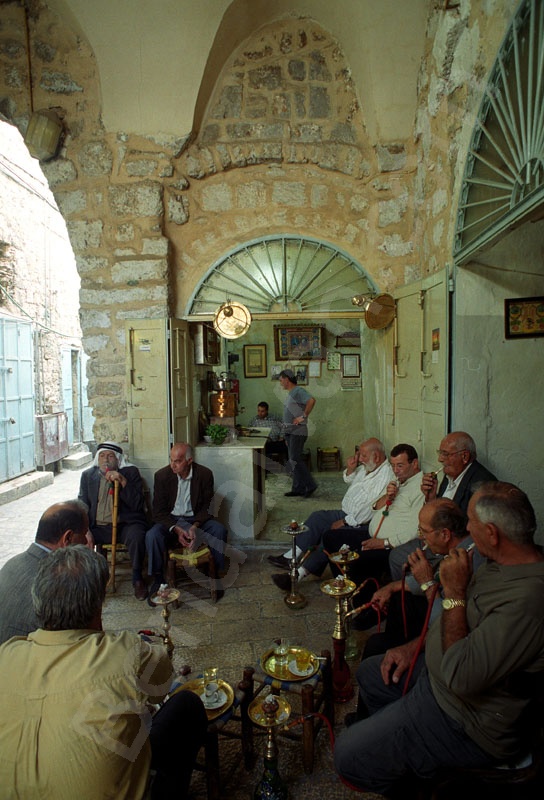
(114, 515)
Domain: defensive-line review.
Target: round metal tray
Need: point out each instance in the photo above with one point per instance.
(282, 672)
(334, 590)
(197, 687)
(257, 715)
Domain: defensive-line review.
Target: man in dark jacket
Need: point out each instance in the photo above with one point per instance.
(96, 490)
(182, 497)
(60, 525)
(463, 474)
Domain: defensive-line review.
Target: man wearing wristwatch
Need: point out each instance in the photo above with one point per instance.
(441, 527)
(467, 701)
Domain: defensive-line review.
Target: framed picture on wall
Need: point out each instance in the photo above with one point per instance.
(334, 360)
(255, 361)
(524, 317)
(299, 342)
(351, 366)
(314, 369)
(275, 370)
(301, 371)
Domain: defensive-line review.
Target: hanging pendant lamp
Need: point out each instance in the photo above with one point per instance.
(232, 320)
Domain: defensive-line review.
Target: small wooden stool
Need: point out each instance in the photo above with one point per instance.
(192, 560)
(328, 459)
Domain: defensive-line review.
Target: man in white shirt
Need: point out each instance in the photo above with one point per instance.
(367, 474)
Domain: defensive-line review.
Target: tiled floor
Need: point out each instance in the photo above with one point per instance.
(233, 633)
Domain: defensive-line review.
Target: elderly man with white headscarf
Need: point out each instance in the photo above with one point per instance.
(96, 491)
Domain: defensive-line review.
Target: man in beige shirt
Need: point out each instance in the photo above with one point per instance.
(75, 699)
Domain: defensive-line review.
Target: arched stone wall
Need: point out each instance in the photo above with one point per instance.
(147, 215)
(283, 148)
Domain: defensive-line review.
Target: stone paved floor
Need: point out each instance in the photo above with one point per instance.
(231, 634)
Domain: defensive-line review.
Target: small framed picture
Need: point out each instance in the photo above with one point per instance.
(275, 370)
(351, 366)
(255, 361)
(334, 360)
(523, 317)
(301, 371)
(314, 369)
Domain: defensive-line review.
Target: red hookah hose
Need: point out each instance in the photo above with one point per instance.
(421, 639)
(403, 602)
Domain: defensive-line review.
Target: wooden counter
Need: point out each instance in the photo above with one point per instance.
(239, 477)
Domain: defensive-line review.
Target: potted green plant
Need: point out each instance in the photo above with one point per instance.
(217, 433)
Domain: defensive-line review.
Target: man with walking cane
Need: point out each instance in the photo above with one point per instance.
(111, 472)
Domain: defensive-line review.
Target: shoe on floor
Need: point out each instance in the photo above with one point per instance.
(310, 492)
(279, 561)
(293, 494)
(282, 581)
(140, 590)
(153, 589)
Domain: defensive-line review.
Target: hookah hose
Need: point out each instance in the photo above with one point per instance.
(354, 611)
(305, 718)
(421, 639)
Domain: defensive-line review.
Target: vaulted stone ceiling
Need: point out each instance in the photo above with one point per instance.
(158, 62)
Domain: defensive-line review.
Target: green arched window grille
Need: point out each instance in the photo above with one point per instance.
(503, 183)
(282, 274)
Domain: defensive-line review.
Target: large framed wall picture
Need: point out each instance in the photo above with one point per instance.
(299, 342)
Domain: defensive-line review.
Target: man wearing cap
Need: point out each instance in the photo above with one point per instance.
(296, 409)
(96, 491)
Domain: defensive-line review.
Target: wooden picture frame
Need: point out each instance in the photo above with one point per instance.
(301, 371)
(523, 317)
(351, 366)
(299, 342)
(255, 361)
(348, 339)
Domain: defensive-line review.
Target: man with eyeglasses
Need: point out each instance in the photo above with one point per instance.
(468, 701)
(463, 473)
(404, 602)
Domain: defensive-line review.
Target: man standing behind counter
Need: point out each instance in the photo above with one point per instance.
(297, 406)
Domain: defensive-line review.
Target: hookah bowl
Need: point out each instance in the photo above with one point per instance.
(270, 713)
(340, 589)
(165, 601)
(294, 599)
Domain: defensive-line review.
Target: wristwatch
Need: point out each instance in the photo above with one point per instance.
(427, 585)
(450, 602)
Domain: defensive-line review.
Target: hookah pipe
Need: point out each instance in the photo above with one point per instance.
(355, 611)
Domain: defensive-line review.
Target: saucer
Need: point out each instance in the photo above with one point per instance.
(301, 673)
(211, 705)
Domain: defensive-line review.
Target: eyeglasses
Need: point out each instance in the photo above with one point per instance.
(422, 533)
(447, 454)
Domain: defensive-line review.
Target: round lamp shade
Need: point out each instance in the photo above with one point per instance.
(232, 320)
